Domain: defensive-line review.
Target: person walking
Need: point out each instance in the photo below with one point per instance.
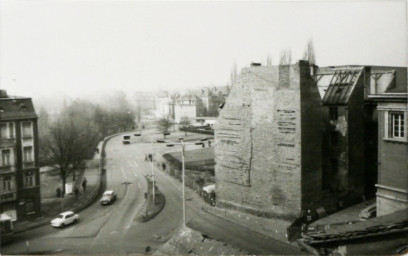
(76, 191)
(84, 181)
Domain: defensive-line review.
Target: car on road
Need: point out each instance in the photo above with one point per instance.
(126, 139)
(108, 197)
(65, 219)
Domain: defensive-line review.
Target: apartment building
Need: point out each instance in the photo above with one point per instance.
(19, 171)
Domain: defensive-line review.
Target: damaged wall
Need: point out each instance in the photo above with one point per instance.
(260, 160)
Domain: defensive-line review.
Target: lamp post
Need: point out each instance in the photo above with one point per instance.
(183, 172)
(153, 188)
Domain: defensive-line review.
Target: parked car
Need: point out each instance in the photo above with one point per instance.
(368, 212)
(108, 197)
(64, 219)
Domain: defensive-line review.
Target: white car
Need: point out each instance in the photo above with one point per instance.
(108, 197)
(64, 219)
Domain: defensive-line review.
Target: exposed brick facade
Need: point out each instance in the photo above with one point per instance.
(268, 146)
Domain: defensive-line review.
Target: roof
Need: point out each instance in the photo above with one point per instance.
(108, 192)
(341, 85)
(394, 222)
(14, 108)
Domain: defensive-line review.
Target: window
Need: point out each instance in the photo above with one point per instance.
(30, 206)
(29, 179)
(333, 113)
(3, 131)
(397, 125)
(27, 154)
(5, 157)
(27, 130)
(7, 184)
(11, 130)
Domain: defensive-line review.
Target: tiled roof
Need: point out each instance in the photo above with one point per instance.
(16, 108)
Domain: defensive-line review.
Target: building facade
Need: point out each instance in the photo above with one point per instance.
(186, 106)
(388, 91)
(19, 171)
(293, 138)
(268, 142)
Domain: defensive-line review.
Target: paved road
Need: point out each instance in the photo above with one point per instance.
(112, 229)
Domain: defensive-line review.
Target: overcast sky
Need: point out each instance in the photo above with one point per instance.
(78, 47)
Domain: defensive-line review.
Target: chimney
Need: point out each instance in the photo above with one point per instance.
(3, 94)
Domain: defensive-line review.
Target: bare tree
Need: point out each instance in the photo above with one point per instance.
(69, 143)
(163, 125)
(285, 57)
(185, 123)
(309, 54)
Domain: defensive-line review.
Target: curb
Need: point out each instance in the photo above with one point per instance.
(205, 208)
(90, 198)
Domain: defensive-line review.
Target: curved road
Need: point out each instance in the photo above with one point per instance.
(113, 230)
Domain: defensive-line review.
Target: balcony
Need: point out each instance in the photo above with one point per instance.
(6, 168)
(8, 196)
(28, 164)
(11, 142)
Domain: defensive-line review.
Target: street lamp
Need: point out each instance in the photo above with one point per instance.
(182, 173)
(154, 189)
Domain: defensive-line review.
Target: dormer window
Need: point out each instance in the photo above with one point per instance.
(22, 107)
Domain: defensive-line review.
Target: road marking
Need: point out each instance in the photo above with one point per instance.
(124, 198)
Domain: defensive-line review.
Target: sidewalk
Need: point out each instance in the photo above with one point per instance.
(51, 205)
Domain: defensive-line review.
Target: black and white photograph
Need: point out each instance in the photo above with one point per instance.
(203, 127)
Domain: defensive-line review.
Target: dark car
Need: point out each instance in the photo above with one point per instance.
(108, 197)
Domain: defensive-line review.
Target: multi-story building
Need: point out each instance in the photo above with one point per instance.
(19, 171)
(388, 91)
(186, 106)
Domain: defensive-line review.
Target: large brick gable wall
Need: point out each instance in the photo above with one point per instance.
(259, 165)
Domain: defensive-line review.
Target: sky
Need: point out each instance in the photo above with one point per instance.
(84, 47)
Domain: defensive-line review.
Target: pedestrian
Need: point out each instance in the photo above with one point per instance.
(203, 144)
(209, 143)
(76, 191)
(58, 192)
(151, 157)
(84, 181)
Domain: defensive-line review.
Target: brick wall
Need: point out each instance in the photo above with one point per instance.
(258, 142)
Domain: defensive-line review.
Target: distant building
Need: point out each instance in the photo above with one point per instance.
(19, 171)
(211, 98)
(186, 106)
(388, 90)
(163, 105)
